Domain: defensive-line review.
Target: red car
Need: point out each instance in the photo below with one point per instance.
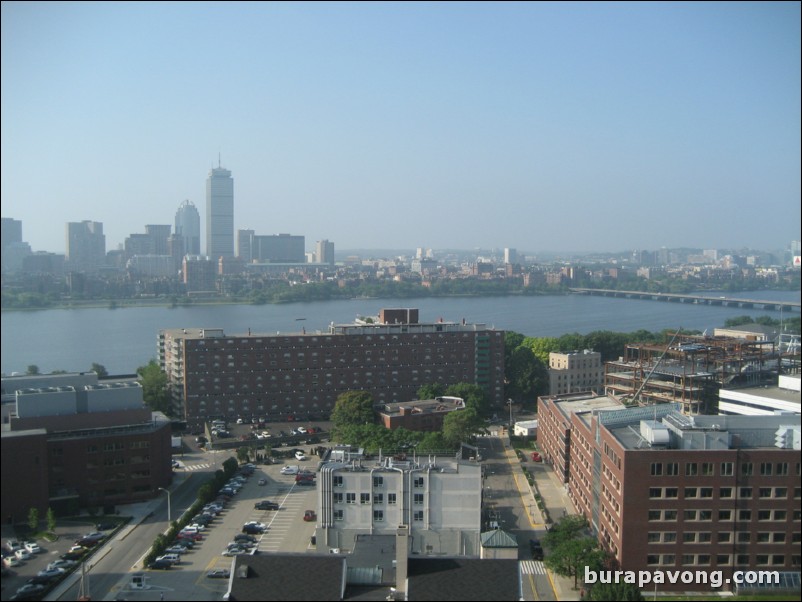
(536, 457)
(310, 515)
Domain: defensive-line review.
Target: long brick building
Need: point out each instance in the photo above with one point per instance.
(667, 491)
(211, 373)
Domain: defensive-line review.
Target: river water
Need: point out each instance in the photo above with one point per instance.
(124, 339)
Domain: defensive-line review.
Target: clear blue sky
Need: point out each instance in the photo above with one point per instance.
(544, 127)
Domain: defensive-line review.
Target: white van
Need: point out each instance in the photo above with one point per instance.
(174, 558)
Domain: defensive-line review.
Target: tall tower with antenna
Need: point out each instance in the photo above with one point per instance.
(219, 213)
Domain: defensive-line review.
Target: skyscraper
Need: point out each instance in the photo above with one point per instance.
(324, 252)
(86, 246)
(219, 213)
(187, 225)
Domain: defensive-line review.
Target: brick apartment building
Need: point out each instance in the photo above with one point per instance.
(71, 447)
(667, 491)
(276, 376)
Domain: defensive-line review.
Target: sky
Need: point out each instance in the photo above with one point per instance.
(546, 127)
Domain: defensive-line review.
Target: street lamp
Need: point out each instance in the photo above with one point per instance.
(509, 403)
(169, 515)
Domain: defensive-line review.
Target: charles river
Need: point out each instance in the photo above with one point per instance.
(125, 338)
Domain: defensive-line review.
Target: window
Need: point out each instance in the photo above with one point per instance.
(706, 492)
(746, 469)
(652, 559)
(337, 480)
(726, 469)
(705, 537)
(653, 537)
(744, 515)
(418, 483)
(391, 498)
(722, 559)
(669, 537)
(725, 515)
(672, 469)
(781, 469)
(378, 481)
(688, 537)
(672, 492)
(690, 492)
(350, 498)
(655, 492)
(691, 469)
(766, 469)
(763, 537)
(724, 536)
(707, 469)
(705, 515)
(744, 536)
(417, 515)
(745, 492)
(378, 498)
(338, 498)
(654, 515)
(781, 492)
(378, 516)
(764, 515)
(725, 492)
(670, 515)
(418, 499)
(764, 492)
(338, 515)
(364, 498)
(657, 469)
(689, 515)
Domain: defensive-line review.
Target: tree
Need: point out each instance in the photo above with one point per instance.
(431, 391)
(461, 425)
(33, 369)
(571, 548)
(154, 387)
(352, 408)
(614, 591)
(100, 370)
(243, 454)
(33, 519)
(525, 375)
(474, 396)
(51, 520)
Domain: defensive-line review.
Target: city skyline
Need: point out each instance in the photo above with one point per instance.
(568, 127)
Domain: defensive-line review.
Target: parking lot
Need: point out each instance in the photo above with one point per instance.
(286, 531)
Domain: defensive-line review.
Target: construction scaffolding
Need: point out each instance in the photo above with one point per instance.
(690, 369)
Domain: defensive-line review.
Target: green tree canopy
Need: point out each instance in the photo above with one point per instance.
(100, 370)
(526, 376)
(571, 548)
(154, 387)
(474, 396)
(431, 391)
(33, 369)
(352, 408)
(461, 425)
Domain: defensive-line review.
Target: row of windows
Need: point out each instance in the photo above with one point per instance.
(721, 559)
(723, 492)
(726, 469)
(721, 537)
(378, 515)
(723, 515)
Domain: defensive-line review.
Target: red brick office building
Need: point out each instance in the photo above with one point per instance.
(665, 491)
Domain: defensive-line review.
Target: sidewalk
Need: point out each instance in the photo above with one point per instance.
(555, 500)
(138, 513)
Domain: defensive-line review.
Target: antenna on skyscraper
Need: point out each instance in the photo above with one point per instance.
(218, 159)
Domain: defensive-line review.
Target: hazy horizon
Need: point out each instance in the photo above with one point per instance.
(545, 127)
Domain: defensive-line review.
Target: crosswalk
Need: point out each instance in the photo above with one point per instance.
(191, 467)
(532, 567)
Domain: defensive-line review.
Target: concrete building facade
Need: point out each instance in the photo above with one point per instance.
(219, 214)
(439, 499)
(575, 371)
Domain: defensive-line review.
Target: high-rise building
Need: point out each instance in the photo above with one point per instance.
(510, 256)
(11, 231)
(86, 246)
(159, 234)
(304, 373)
(245, 245)
(187, 225)
(14, 250)
(278, 248)
(219, 214)
(324, 253)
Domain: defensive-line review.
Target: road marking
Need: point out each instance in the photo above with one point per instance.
(532, 567)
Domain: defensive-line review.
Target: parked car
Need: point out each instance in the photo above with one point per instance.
(262, 482)
(22, 554)
(219, 574)
(30, 588)
(73, 555)
(252, 529)
(266, 505)
(536, 457)
(305, 476)
(289, 469)
(174, 558)
(310, 515)
(105, 526)
(11, 561)
(32, 547)
(235, 551)
(245, 537)
(300, 456)
(307, 482)
(176, 549)
(50, 573)
(160, 564)
(62, 564)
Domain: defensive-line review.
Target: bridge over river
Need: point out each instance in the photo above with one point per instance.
(685, 298)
